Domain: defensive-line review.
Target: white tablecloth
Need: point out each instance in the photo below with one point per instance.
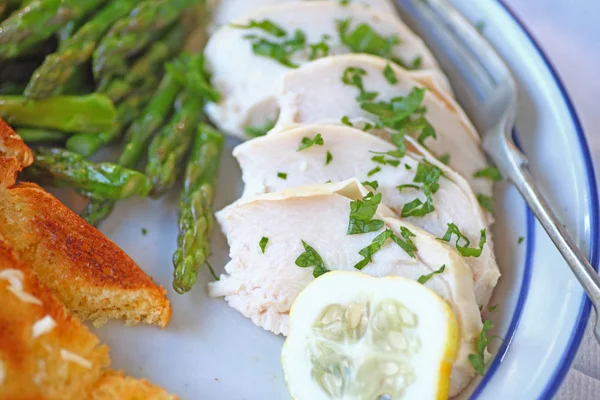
(569, 32)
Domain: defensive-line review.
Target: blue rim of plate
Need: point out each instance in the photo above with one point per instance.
(584, 311)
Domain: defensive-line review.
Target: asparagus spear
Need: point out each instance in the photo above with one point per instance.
(196, 218)
(58, 67)
(131, 34)
(32, 135)
(144, 127)
(91, 113)
(169, 147)
(137, 137)
(37, 22)
(86, 144)
(105, 181)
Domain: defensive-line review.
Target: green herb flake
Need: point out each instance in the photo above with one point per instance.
(425, 278)
(263, 243)
(374, 171)
(380, 240)
(477, 359)
(362, 213)
(353, 77)
(282, 175)
(493, 308)
(445, 159)
(364, 39)
(486, 202)
(521, 240)
(490, 173)
(346, 121)
(407, 167)
(310, 258)
(328, 158)
(389, 74)
(307, 142)
(372, 184)
(480, 26)
(428, 175)
(144, 231)
(212, 271)
(318, 50)
(464, 248)
(264, 25)
(257, 131)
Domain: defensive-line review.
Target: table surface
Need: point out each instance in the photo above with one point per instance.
(568, 32)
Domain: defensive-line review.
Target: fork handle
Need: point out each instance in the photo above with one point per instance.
(514, 165)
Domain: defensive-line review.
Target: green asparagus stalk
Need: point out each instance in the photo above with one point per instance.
(58, 67)
(35, 136)
(169, 147)
(196, 218)
(137, 138)
(91, 113)
(144, 71)
(131, 34)
(37, 22)
(190, 71)
(86, 144)
(143, 128)
(104, 181)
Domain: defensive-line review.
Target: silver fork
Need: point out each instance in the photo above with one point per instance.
(464, 53)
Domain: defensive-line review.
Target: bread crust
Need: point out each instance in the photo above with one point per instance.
(34, 367)
(90, 274)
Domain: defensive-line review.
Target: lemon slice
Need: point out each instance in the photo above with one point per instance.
(353, 336)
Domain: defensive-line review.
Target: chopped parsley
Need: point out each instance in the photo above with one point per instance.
(464, 248)
(404, 114)
(318, 50)
(385, 161)
(374, 171)
(407, 167)
(344, 2)
(212, 271)
(310, 258)
(480, 26)
(282, 175)
(328, 158)
(444, 158)
(263, 243)
(353, 77)
(521, 240)
(264, 25)
(257, 131)
(379, 241)
(486, 202)
(307, 142)
(372, 184)
(477, 359)
(362, 213)
(428, 175)
(346, 121)
(493, 308)
(144, 231)
(425, 278)
(279, 46)
(389, 74)
(490, 173)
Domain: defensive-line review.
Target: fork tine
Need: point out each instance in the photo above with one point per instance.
(463, 53)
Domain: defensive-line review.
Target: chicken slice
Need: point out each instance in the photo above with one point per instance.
(315, 93)
(249, 82)
(263, 286)
(352, 152)
(225, 11)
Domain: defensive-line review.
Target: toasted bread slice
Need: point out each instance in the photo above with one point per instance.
(91, 275)
(115, 385)
(45, 352)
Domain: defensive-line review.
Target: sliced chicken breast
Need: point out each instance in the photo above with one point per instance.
(286, 36)
(263, 284)
(315, 93)
(351, 154)
(225, 11)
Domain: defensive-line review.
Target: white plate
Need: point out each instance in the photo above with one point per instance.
(209, 351)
